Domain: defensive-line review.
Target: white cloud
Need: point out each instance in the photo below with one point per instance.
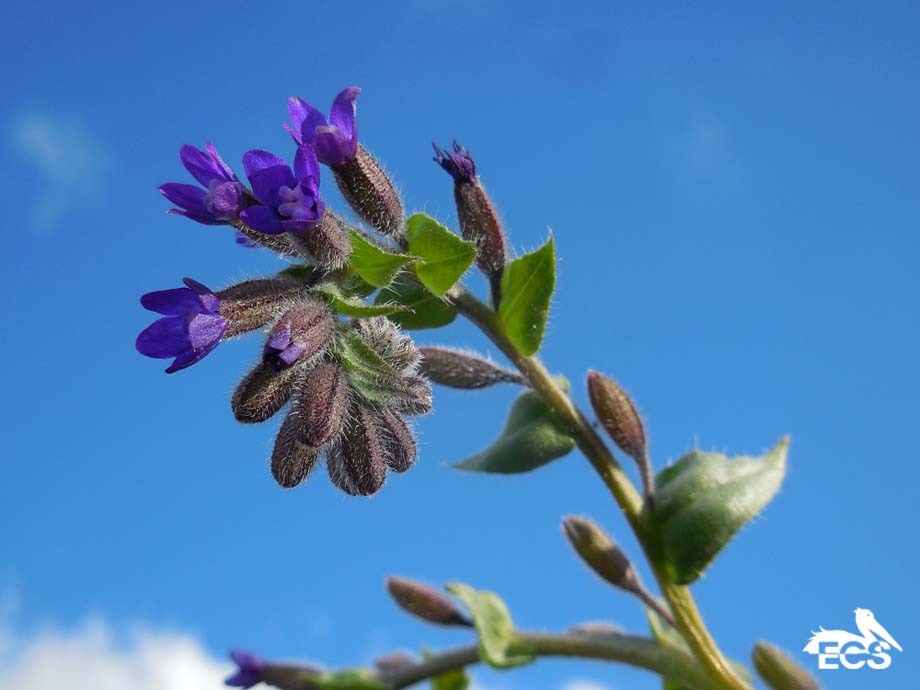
(584, 684)
(96, 657)
(68, 158)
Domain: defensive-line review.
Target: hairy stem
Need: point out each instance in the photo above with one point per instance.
(687, 616)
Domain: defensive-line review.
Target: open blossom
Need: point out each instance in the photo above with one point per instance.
(335, 140)
(291, 199)
(220, 197)
(190, 328)
(459, 163)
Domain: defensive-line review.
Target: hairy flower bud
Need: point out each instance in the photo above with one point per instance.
(479, 221)
(384, 337)
(357, 463)
(596, 629)
(251, 670)
(327, 245)
(263, 392)
(412, 396)
(371, 194)
(457, 369)
(598, 551)
(321, 405)
(779, 671)
(277, 243)
(292, 461)
(301, 334)
(394, 661)
(254, 303)
(399, 443)
(425, 602)
(617, 414)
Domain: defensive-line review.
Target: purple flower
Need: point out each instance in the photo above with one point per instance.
(221, 198)
(190, 328)
(291, 198)
(335, 140)
(459, 163)
(249, 671)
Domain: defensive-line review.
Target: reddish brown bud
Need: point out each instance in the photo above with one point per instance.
(263, 392)
(598, 551)
(321, 405)
(399, 443)
(596, 629)
(425, 602)
(457, 369)
(300, 335)
(617, 414)
(254, 304)
(357, 463)
(328, 244)
(412, 396)
(292, 461)
(279, 243)
(371, 194)
(394, 661)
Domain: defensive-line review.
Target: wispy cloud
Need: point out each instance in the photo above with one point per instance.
(96, 657)
(584, 684)
(69, 159)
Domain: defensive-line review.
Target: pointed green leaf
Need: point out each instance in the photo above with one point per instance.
(348, 679)
(423, 310)
(377, 266)
(704, 499)
(353, 306)
(497, 645)
(368, 373)
(444, 257)
(527, 287)
(531, 438)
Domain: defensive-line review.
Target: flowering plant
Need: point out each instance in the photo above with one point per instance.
(338, 361)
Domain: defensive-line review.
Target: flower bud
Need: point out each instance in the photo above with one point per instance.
(617, 414)
(394, 661)
(292, 461)
(277, 243)
(425, 602)
(412, 396)
(328, 244)
(357, 463)
(479, 221)
(394, 347)
(321, 405)
(399, 443)
(254, 304)
(301, 334)
(596, 629)
(598, 551)
(371, 194)
(262, 393)
(457, 369)
(779, 671)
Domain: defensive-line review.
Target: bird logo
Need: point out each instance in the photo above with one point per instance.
(841, 648)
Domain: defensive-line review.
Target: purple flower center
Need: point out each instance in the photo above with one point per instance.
(296, 203)
(222, 200)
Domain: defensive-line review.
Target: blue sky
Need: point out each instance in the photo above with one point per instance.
(734, 196)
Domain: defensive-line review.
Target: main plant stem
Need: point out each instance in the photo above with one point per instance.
(686, 614)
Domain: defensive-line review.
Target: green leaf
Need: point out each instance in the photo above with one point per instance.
(703, 499)
(455, 679)
(353, 306)
(527, 287)
(423, 310)
(298, 272)
(348, 679)
(369, 373)
(497, 644)
(443, 257)
(531, 438)
(377, 266)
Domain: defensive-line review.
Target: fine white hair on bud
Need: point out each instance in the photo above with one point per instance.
(321, 404)
(371, 193)
(458, 369)
(262, 392)
(385, 338)
(357, 463)
(292, 461)
(253, 304)
(399, 442)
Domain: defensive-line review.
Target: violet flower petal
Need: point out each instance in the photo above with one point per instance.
(202, 165)
(306, 119)
(174, 302)
(306, 165)
(164, 338)
(208, 299)
(267, 173)
(187, 196)
(262, 219)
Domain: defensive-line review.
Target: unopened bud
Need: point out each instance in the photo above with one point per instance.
(399, 443)
(479, 221)
(617, 414)
(321, 405)
(301, 334)
(371, 194)
(457, 369)
(292, 676)
(357, 463)
(327, 244)
(412, 396)
(598, 551)
(279, 243)
(425, 602)
(596, 629)
(394, 661)
(262, 393)
(254, 303)
(292, 461)
(779, 671)
(394, 347)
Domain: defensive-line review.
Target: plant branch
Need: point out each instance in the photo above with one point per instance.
(687, 616)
